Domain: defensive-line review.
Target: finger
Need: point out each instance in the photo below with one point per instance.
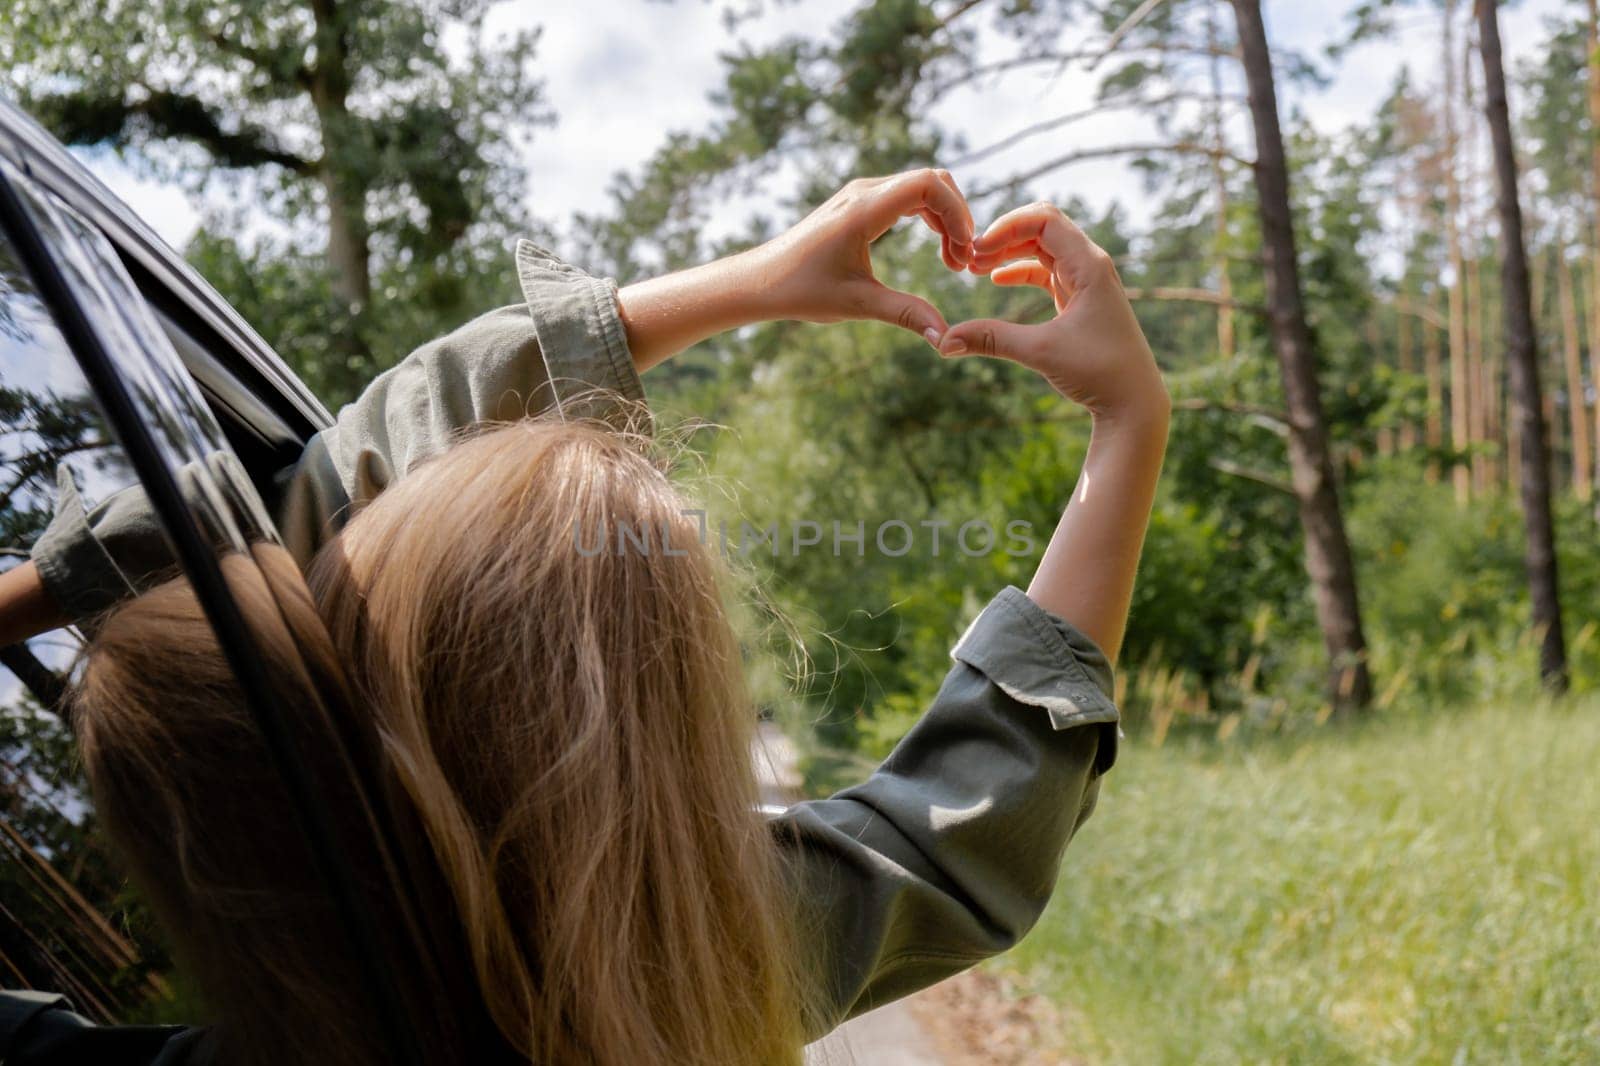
(1032, 272)
(908, 194)
(877, 301)
(964, 252)
(985, 260)
(1035, 220)
(946, 248)
(1016, 246)
(950, 180)
(1098, 268)
(1026, 272)
(996, 337)
(1055, 235)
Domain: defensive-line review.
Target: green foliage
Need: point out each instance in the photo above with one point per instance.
(1446, 596)
(1556, 127)
(1419, 890)
(846, 103)
(286, 294)
(860, 423)
(349, 125)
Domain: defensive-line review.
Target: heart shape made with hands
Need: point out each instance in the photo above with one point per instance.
(1032, 245)
(1092, 351)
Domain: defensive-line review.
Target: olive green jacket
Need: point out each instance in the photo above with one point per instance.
(944, 856)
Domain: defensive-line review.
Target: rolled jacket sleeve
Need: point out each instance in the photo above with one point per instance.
(565, 349)
(949, 852)
(580, 332)
(89, 561)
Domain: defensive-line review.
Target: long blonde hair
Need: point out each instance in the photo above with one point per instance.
(565, 727)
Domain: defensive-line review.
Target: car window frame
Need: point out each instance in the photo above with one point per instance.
(27, 210)
(170, 284)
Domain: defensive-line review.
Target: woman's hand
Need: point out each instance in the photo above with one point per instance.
(818, 271)
(1093, 352)
(821, 269)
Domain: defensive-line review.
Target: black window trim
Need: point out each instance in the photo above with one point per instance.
(200, 564)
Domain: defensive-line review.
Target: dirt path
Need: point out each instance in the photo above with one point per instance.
(889, 1036)
(980, 1019)
(974, 1019)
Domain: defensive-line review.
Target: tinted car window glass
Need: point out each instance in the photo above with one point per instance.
(48, 417)
(270, 642)
(50, 423)
(170, 405)
(49, 420)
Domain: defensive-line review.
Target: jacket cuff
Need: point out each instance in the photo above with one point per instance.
(1041, 660)
(580, 333)
(19, 1009)
(75, 568)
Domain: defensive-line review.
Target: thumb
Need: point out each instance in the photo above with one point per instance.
(904, 310)
(994, 337)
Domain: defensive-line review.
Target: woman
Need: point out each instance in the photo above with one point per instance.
(562, 736)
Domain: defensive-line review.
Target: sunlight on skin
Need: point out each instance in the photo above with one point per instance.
(1094, 353)
(820, 270)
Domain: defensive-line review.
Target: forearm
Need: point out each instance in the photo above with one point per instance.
(820, 270)
(665, 315)
(1087, 573)
(26, 608)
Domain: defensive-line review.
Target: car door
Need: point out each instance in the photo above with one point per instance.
(246, 385)
(96, 399)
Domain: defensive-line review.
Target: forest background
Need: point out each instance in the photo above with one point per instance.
(1350, 820)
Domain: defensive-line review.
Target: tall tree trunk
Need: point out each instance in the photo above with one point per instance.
(1405, 356)
(1572, 359)
(1494, 373)
(1536, 288)
(1328, 561)
(1477, 401)
(1226, 344)
(1460, 389)
(1432, 364)
(1593, 322)
(1478, 412)
(1372, 333)
(1594, 215)
(349, 259)
(1523, 357)
(1553, 424)
(1219, 192)
(349, 238)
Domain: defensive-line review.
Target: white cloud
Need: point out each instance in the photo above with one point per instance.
(622, 76)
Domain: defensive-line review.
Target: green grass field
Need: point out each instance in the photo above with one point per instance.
(1411, 890)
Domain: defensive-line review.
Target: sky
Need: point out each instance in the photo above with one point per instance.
(622, 74)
